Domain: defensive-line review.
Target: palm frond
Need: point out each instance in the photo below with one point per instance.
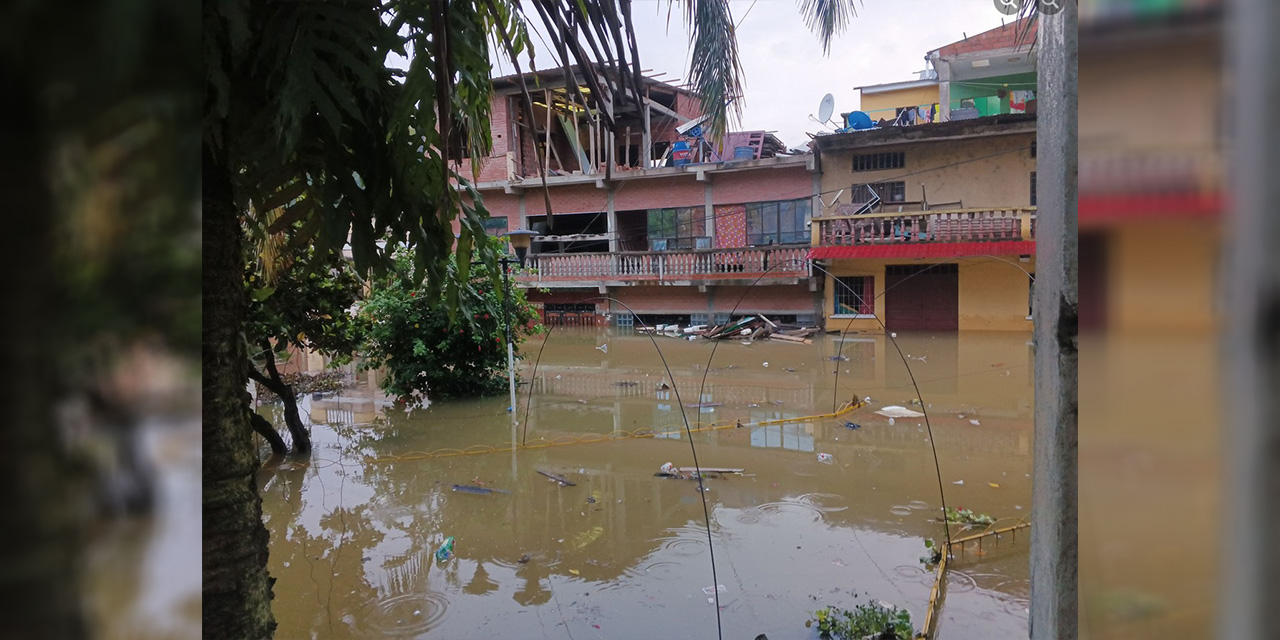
(827, 18)
(714, 71)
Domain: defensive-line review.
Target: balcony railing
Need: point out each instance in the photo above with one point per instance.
(659, 266)
(964, 225)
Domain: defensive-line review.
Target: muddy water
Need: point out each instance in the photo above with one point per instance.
(625, 554)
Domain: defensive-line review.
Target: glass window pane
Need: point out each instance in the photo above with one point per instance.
(787, 217)
(754, 224)
(698, 219)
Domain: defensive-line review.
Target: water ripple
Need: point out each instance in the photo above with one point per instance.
(661, 570)
(407, 614)
(816, 500)
(772, 512)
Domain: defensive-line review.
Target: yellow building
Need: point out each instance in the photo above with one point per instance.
(884, 101)
(928, 227)
(1151, 179)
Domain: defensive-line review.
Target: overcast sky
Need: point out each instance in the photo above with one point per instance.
(786, 74)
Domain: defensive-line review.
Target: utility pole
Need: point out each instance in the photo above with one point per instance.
(1054, 566)
(1250, 557)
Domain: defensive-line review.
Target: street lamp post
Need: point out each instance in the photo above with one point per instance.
(520, 240)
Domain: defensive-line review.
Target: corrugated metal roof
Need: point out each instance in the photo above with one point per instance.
(925, 250)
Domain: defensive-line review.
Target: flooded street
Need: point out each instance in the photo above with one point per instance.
(624, 554)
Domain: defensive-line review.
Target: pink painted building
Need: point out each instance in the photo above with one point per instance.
(674, 228)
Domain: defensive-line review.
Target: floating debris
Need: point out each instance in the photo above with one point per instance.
(555, 477)
(445, 550)
(587, 537)
(467, 488)
(894, 411)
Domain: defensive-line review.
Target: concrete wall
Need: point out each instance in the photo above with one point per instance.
(981, 89)
(789, 299)
(992, 171)
(1163, 277)
(1162, 98)
(993, 293)
(872, 102)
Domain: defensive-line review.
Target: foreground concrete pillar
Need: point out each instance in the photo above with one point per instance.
(1054, 567)
(1250, 557)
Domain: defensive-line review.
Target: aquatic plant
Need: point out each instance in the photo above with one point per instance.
(935, 552)
(873, 619)
(967, 516)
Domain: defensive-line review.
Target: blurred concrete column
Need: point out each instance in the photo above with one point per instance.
(1252, 489)
(1054, 573)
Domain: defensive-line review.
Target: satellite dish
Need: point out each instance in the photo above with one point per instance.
(828, 105)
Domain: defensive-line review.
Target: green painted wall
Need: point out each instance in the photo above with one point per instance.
(983, 92)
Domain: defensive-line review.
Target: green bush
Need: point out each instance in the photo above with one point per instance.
(865, 620)
(425, 353)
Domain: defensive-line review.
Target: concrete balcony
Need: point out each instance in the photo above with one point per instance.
(772, 265)
(1008, 224)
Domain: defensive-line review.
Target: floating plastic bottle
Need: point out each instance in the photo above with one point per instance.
(445, 550)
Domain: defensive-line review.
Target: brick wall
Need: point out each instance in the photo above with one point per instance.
(999, 38)
(494, 167)
(762, 186)
(578, 198)
(501, 205)
(680, 191)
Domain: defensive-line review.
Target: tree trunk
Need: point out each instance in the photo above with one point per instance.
(39, 581)
(236, 586)
(265, 429)
(276, 384)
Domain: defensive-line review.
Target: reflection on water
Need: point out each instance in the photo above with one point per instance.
(354, 539)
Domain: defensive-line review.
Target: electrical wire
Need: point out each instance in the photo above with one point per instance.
(702, 490)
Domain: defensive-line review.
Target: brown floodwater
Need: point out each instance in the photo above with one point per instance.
(625, 554)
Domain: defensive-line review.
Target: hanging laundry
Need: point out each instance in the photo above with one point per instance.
(1018, 100)
(922, 114)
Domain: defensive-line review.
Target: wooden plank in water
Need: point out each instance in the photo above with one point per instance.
(711, 470)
